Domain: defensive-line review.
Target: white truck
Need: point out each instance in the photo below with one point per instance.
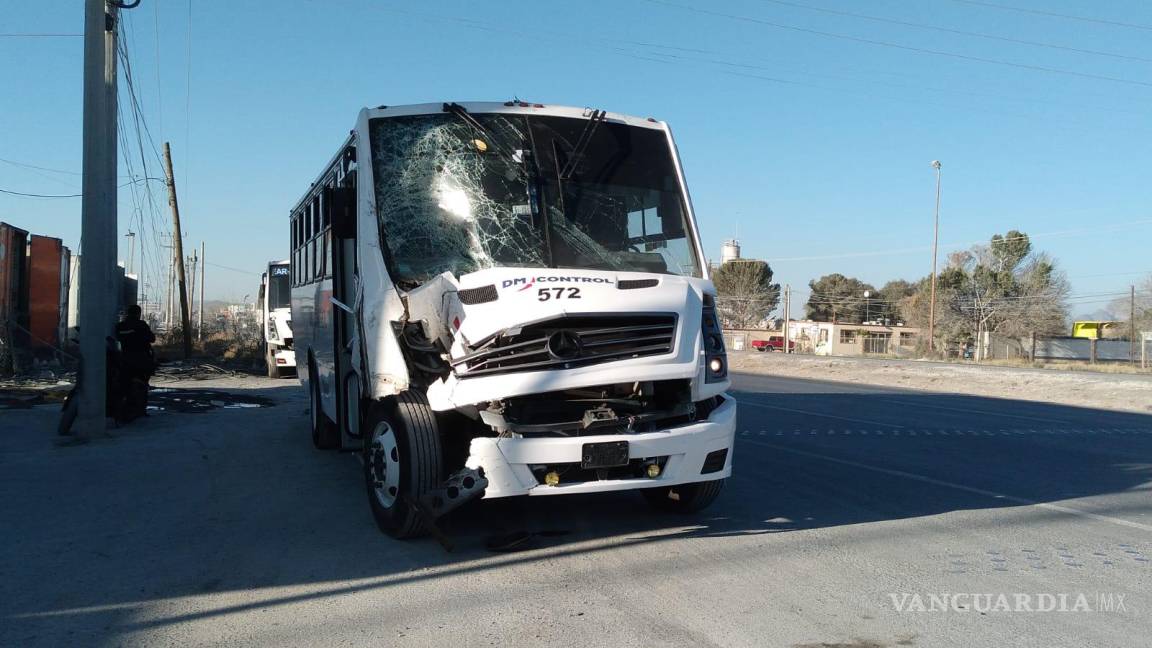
(275, 298)
(505, 299)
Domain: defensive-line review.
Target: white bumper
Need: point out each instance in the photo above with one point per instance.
(506, 461)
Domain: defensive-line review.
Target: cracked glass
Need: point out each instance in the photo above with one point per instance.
(466, 192)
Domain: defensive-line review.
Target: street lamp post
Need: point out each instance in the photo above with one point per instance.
(867, 306)
(935, 241)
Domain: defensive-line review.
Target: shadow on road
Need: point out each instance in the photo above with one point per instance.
(235, 501)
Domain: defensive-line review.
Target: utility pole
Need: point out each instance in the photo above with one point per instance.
(935, 241)
(98, 213)
(179, 251)
(131, 236)
(787, 318)
(200, 323)
(168, 290)
(1132, 327)
(192, 260)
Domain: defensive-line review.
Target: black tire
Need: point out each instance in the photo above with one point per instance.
(685, 498)
(325, 435)
(416, 456)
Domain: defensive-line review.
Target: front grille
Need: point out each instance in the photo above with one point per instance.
(571, 341)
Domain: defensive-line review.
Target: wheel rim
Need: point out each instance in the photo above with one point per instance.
(384, 464)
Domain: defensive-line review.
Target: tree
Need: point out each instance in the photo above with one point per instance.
(1004, 287)
(836, 298)
(746, 292)
(891, 296)
(1122, 308)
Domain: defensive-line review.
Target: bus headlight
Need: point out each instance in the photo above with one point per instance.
(715, 356)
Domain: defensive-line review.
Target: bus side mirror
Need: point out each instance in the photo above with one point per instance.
(342, 202)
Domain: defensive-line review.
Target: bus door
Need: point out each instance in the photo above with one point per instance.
(345, 326)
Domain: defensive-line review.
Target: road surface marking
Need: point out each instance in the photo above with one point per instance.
(969, 489)
(973, 411)
(810, 413)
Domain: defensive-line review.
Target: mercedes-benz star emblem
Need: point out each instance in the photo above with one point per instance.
(564, 345)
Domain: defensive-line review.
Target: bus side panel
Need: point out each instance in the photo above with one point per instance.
(323, 345)
(304, 330)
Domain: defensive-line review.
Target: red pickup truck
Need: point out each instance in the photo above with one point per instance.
(773, 343)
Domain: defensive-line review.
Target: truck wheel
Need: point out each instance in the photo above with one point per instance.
(325, 436)
(270, 360)
(402, 461)
(685, 498)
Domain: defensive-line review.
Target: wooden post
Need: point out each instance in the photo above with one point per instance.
(1092, 351)
(179, 252)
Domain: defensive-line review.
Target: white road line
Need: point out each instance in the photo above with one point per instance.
(971, 411)
(961, 487)
(810, 413)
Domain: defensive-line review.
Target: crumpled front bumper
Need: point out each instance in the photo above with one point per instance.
(506, 461)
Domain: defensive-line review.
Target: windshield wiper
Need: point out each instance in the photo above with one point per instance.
(598, 117)
(501, 149)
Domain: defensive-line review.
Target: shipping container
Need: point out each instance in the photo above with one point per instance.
(13, 286)
(46, 276)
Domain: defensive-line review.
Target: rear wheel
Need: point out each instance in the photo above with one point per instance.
(325, 436)
(402, 462)
(685, 498)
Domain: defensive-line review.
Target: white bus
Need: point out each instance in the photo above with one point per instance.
(275, 300)
(503, 299)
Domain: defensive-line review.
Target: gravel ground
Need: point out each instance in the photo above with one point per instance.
(1123, 392)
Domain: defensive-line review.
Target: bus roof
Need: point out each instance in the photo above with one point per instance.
(510, 107)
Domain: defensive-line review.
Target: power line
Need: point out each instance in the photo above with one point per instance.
(959, 246)
(79, 195)
(947, 30)
(676, 55)
(186, 168)
(908, 48)
(29, 35)
(40, 168)
(247, 272)
(1052, 14)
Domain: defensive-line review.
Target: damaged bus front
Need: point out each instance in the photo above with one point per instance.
(510, 299)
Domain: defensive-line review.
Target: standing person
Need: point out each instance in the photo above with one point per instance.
(136, 338)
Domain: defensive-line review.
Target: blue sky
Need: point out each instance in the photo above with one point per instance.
(811, 143)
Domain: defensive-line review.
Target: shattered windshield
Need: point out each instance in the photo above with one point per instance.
(494, 190)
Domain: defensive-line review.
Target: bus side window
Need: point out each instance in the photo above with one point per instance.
(294, 243)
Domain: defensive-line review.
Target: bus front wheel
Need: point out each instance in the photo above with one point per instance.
(402, 462)
(685, 498)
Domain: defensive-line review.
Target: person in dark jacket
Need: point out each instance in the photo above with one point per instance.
(136, 338)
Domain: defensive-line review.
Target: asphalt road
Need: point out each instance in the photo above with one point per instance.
(848, 502)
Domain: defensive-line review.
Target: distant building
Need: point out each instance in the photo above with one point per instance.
(827, 338)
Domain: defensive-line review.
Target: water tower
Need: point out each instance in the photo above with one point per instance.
(730, 251)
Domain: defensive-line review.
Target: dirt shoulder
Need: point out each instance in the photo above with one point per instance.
(1130, 393)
